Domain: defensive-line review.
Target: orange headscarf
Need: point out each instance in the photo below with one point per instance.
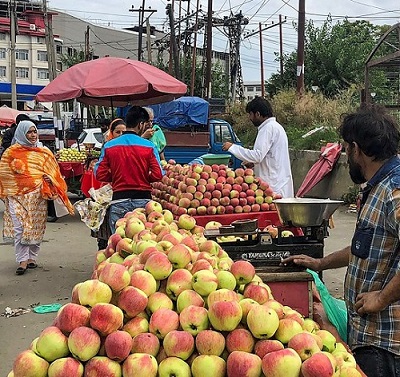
(22, 169)
(116, 122)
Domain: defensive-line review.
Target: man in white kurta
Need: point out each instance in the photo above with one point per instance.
(270, 154)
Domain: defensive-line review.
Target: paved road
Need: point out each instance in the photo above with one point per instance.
(66, 258)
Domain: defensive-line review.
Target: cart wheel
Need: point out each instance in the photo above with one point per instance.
(52, 219)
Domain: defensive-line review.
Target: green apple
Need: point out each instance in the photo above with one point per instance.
(157, 301)
(52, 344)
(262, 322)
(194, 319)
(28, 364)
(288, 327)
(188, 297)
(179, 255)
(208, 365)
(173, 366)
(92, 292)
(225, 315)
(204, 282)
(226, 280)
(328, 340)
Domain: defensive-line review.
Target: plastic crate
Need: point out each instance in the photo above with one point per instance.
(219, 159)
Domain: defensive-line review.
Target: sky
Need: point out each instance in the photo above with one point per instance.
(117, 14)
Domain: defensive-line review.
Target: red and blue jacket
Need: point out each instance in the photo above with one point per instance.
(130, 163)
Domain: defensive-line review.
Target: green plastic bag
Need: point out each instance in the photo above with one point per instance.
(335, 309)
(158, 139)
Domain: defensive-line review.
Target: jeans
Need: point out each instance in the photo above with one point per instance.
(377, 362)
(120, 208)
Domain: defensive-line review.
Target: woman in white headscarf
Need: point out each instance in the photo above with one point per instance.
(29, 176)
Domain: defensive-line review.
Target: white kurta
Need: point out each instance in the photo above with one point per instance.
(270, 156)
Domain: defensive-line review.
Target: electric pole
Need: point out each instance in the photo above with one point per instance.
(208, 50)
(13, 38)
(260, 30)
(281, 46)
(87, 44)
(174, 45)
(300, 48)
(141, 12)
(194, 57)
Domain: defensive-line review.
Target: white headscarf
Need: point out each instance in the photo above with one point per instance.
(20, 134)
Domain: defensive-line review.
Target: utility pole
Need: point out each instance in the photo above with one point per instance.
(174, 45)
(87, 44)
(300, 48)
(281, 46)
(194, 57)
(141, 12)
(12, 56)
(260, 30)
(148, 33)
(208, 50)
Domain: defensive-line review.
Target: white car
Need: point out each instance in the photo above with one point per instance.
(90, 136)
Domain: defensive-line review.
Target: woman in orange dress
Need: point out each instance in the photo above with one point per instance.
(29, 176)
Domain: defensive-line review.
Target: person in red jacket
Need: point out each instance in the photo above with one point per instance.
(130, 163)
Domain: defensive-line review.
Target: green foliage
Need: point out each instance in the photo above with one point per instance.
(334, 57)
(75, 58)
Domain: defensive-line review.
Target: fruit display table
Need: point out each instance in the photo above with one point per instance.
(264, 218)
(72, 173)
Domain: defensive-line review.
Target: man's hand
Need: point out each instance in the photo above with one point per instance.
(226, 146)
(303, 260)
(148, 133)
(369, 302)
(248, 165)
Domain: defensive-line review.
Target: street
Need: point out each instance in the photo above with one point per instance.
(67, 258)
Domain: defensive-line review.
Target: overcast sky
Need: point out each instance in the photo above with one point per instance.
(116, 14)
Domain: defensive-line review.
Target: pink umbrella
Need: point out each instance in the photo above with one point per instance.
(8, 115)
(113, 82)
(327, 160)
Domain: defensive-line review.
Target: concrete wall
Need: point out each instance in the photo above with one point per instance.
(333, 186)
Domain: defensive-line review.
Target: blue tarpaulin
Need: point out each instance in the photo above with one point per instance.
(184, 111)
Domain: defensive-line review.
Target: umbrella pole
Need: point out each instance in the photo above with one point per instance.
(112, 109)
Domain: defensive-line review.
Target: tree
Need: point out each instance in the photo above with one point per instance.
(334, 56)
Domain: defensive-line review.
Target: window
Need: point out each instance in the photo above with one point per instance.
(258, 88)
(222, 134)
(43, 74)
(22, 73)
(59, 66)
(3, 52)
(59, 49)
(2, 36)
(250, 88)
(42, 56)
(3, 71)
(40, 40)
(22, 54)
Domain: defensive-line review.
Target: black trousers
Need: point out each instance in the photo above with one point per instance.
(377, 362)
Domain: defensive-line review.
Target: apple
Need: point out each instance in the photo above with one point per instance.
(173, 367)
(344, 359)
(262, 322)
(66, 366)
(349, 372)
(28, 364)
(264, 346)
(102, 366)
(146, 343)
(277, 306)
(304, 344)
(204, 282)
(243, 271)
(287, 233)
(92, 292)
(240, 340)
(140, 365)
(168, 216)
(126, 246)
(281, 363)
(194, 319)
(179, 255)
(52, 344)
(243, 364)
(222, 294)
(256, 292)
(288, 327)
(118, 345)
(157, 301)
(318, 365)
(210, 247)
(158, 265)
(133, 226)
(210, 342)
(144, 281)
(328, 340)
(116, 276)
(225, 315)
(153, 206)
(186, 222)
(208, 365)
(226, 280)
(179, 344)
(84, 343)
(294, 314)
(71, 316)
(132, 301)
(162, 321)
(106, 318)
(188, 297)
(246, 304)
(136, 325)
(143, 245)
(212, 225)
(179, 281)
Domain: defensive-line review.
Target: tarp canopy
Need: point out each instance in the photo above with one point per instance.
(184, 111)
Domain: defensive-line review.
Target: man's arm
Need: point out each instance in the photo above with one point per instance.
(155, 167)
(102, 170)
(337, 259)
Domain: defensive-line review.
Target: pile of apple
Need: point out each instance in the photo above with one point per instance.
(165, 301)
(212, 189)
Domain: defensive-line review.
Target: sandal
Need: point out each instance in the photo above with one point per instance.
(20, 271)
(32, 265)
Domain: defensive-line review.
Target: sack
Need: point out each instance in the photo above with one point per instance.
(158, 139)
(335, 309)
(60, 208)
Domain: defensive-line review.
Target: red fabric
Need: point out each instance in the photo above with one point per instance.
(113, 81)
(71, 169)
(88, 181)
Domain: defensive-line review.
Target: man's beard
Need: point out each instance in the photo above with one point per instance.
(355, 171)
(256, 122)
